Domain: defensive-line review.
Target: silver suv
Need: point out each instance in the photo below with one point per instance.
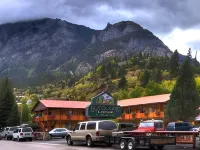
(7, 132)
(92, 132)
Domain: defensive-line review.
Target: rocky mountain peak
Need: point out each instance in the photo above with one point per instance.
(31, 49)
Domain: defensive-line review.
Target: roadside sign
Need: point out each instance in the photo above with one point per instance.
(103, 106)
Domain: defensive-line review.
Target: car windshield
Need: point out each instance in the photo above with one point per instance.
(26, 130)
(146, 124)
(13, 129)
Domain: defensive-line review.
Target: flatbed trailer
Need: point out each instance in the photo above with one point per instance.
(129, 140)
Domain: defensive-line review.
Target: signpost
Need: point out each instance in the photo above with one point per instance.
(103, 106)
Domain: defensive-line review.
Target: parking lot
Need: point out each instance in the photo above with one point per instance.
(60, 144)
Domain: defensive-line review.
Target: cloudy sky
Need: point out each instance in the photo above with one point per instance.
(175, 22)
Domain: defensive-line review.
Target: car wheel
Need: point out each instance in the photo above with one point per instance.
(123, 144)
(13, 138)
(6, 137)
(30, 139)
(160, 147)
(69, 141)
(89, 141)
(131, 145)
(18, 139)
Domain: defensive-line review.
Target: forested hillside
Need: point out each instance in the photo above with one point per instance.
(135, 76)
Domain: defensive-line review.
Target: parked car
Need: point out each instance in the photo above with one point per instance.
(92, 132)
(126, 126)
(58, 132)
(195, 128)
(23, 133)
(9, 133)
(4, 132)
(179, 126)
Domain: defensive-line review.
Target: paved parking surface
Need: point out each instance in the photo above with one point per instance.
(60, 144)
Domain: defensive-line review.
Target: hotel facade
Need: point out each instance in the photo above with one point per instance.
(51, 114)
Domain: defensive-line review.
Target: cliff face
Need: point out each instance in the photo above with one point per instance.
(29, 49)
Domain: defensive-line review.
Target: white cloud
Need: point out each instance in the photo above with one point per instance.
(182, 40)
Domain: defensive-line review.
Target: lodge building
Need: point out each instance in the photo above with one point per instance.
(51, 114)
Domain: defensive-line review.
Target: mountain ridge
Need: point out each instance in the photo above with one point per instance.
(33, 48)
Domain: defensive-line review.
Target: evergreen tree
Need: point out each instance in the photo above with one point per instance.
(122, 72)
(144, 78)
(14, 119)
(7, 100)
(184, 99)
(25, 113)
(122, 82)
(174, 64)
(157, 75)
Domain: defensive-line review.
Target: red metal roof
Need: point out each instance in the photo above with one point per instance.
(144, 100)
(64, 104)
(124, 103)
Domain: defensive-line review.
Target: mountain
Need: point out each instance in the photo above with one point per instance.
(31, 50)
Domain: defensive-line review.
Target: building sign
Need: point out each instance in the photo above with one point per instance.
(112, 111)
(103, 106)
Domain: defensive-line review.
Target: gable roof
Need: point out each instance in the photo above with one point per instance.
(64, 104)
(43, 104)
(144, 100)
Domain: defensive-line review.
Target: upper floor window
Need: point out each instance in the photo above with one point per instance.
(142, 110)
(128, 110)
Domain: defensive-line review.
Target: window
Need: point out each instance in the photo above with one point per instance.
(107, 125)
(91, 125)
(178, 124)
(159, 125)
(13, 129)
(49, 113)
(123, 126)
(83, 126)
(19, 130)
(26, 130)
(7, 129)
(142, 110)
(16, 131)
(68, 125)
(63, 130)
(171, 125)
(128, 110)
(186, 124)
(77, 127)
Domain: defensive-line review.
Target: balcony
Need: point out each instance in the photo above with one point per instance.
(59, 117)
(152, 115)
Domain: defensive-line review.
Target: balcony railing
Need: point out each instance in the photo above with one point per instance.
(59, 117)
(150, 115)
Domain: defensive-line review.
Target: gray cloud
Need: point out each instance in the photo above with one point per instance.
(157, 15)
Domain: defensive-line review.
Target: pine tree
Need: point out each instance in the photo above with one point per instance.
(184, 99)
(144, 78)
(174, 64)
(14, 119)
(157, 75)
(25, 113)
(122, 82)
(7, 100)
